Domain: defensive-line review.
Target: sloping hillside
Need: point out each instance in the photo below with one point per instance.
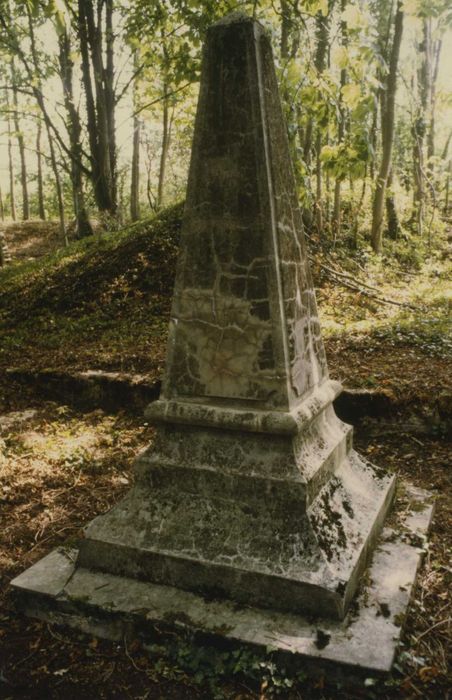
(94, 304)
(104, 305)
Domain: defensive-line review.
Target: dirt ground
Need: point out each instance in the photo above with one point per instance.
(60, 467)
(28, 240)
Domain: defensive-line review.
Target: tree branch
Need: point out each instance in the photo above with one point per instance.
(136, 72)
(162, 97)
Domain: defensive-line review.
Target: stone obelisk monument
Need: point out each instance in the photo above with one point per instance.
(252, 490)
(251, 513)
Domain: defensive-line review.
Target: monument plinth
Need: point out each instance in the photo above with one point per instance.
(252, 491)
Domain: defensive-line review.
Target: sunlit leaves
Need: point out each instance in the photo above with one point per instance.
(314, 7)
(351, 94)
(56, 10)
(319, 6)
(427, 8)
(355, 18)
(344, 160)
(340, 57)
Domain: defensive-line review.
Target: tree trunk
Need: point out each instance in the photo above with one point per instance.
(337, 217)
(100, 101)
(148, 165)
(164, 151)
(285, 30)
(419, 127)
(322, 35)
(58, 188)
(373, 141)
(110, 93)
(318, 185)
(307, 143)
(21, 144)
(2, 209)
(446, 198)
(391, 211)
(103, 150)
(387, 134)
(151, 198)
(446, 147)
(12, 198)
(34, 55)
(135, 170)
(135, 175)
(165, 125)
(82, 224)
(418, 176)
(436, 53)
(41, 210)
(90, 106)
(53, 160)
(337, 223)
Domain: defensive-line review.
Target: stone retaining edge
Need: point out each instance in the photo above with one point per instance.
(374, 411)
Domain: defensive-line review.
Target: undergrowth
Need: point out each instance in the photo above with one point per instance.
(104, 303)
(137, 260)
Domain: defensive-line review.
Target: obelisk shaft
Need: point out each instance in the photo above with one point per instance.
(244, 321)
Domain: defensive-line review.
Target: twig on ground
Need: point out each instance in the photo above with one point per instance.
(137, 668)
(437, 624)
(416, 440)
(365, 289)
(26, 658)
(55, 635)
(346, 275)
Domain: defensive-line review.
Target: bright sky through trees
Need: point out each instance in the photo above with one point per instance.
(334, 65)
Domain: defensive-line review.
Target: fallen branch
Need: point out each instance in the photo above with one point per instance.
(333, 271)
(441, 622)
(137, 668)
(346, 281)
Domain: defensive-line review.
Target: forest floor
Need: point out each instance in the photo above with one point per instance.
(30, 240)
(104, 305)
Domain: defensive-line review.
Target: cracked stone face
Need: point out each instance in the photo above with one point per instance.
(244, 320)
(251, 489)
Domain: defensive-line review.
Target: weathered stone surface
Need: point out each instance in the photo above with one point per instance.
(365, 641)
(271, 539)
(244, 320)
(252, 490)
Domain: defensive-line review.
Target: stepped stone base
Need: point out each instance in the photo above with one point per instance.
(220, 546)
(280, 514)
(114, 606)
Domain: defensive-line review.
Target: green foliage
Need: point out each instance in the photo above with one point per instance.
(332, 107)
(53, 11)
(212, 666)
(344, 160)
(93, 269)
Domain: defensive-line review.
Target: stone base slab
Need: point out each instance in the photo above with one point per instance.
(58, 591)
(228, 417)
